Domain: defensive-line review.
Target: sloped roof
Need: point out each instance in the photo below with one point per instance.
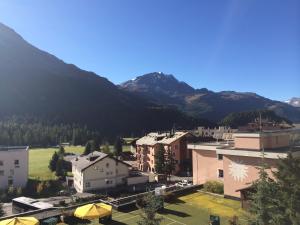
(85, 161)
(160, 138)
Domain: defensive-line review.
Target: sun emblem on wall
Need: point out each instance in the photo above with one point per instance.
(238, 170)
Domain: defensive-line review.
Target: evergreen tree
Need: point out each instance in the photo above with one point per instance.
(88, 148)
(149, 206)
(60, 171)
(160, 164)
(264, 205)
(288, 179)
(118, 148)
(53, 162)
(61, 151)
(169, 163)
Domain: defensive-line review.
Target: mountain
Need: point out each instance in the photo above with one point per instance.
(35, 83)
(294, 102)
(167, 90)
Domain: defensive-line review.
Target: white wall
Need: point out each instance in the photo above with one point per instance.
(19, 175)
(101, 176)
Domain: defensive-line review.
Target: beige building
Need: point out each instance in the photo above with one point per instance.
(13, 166)
(147, 146)
(235, 163)
(98, 171)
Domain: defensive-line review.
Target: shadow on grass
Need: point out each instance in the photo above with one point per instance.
(175, 201)
(174, 212)
(114, 222)
(76, 221)
(128, 208)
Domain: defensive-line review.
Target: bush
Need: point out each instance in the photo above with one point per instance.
(214, 187)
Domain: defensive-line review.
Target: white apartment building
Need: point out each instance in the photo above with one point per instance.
(13, 166)
(98, 170)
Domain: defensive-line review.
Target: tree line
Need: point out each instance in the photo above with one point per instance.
(32, 132)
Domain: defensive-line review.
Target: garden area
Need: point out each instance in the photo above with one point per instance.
(190, 209)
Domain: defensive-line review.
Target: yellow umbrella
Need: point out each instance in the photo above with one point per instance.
(20, 221)
(93, 211)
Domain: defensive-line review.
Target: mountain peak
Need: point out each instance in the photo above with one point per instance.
(158, 82)
(294, 102)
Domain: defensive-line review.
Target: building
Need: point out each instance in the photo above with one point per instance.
(147, 146)
(235, 163)
(24, 204)
(13, 166)
(98, 170)
(216, 133)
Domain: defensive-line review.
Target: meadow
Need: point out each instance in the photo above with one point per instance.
(39, 161)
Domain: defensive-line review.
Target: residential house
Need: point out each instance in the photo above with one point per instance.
(13, 166)
(98, 170)
(236, 163)
(147, 146)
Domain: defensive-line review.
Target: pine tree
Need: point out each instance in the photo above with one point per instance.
(60, 171)
(118, 148)
(149, 206)
(61, 151)
(288, 179)
(88, 148)
(160, 164)
(264, 205)
(53, 162)
(169, 163)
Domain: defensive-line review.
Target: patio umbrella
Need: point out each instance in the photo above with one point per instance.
(93, 211)
(20, 221)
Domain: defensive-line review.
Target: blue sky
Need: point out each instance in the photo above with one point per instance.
(241, 45)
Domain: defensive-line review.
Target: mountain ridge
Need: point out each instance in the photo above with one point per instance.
(36, 83)
(203, 102)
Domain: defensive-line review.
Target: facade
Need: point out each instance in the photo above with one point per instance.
(235, 163)
(13, 166)
(98, 171)
(147, 146)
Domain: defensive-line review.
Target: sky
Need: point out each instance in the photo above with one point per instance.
(240, 45)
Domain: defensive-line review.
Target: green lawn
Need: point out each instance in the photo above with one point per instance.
(39, 161)
(190, 209)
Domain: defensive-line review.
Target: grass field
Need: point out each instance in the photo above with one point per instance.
(190, 209)
(39, 161)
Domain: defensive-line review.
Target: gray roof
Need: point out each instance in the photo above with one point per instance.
(85, 161)
(13, 148)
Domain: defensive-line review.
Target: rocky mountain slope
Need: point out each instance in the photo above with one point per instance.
(167, 90)
(35, 83)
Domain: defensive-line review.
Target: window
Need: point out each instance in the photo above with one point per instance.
(17, 163)
(10, 182)
(220, 173)
(1, 163)
(107, 165)
(220, 157)
(87, 184)
(1, 173)
(109, 182)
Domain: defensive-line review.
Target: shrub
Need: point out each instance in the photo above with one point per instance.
(214, 187)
